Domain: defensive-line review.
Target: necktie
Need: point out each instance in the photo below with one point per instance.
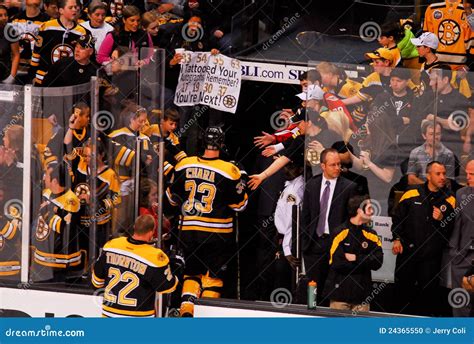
(323, 209)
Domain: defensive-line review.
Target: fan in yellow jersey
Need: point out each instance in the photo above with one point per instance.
(107, 195)
(129, 136)
(447, 20)
(131, 270)
(209, 191)
(374, 84)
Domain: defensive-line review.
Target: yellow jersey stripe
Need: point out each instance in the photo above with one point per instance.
(337, 240)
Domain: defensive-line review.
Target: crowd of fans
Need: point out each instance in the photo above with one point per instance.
(406, 126)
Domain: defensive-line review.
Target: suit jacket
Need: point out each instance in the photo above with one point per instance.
(343, 191)
(461, 242)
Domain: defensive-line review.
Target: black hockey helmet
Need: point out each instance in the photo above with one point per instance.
(214, 138)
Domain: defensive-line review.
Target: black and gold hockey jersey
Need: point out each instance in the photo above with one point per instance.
(173, 151)
(10, 243)
(448, 22)
(107, 188)
(172, 145)
(28, 29)
(127, 138)
(56, 150)
(209, 192)
(53, 43)
(131, 272)
(55, 240)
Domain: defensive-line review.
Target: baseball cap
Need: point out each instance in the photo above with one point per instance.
(428, 39)
(314, 92)
(86, 41)
(380, 53)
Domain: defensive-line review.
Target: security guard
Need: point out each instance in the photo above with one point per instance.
(420, 232)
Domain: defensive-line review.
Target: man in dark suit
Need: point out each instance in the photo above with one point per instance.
(324, 209)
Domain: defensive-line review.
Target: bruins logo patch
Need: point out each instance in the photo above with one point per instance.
(61, 51)
(312, 156)
(365, 244)
(449, 32)
(240, 187)
(42, 229)
(14, 211)
(82, 189)
(27, 40)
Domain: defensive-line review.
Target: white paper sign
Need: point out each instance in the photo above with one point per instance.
(383, 225)
(209, 80)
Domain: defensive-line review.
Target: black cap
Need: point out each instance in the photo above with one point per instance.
(86, 41)
(342, 147)
(401, 73)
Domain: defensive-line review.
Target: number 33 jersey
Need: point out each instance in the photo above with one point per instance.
(209, 191)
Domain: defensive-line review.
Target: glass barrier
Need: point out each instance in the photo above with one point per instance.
(84, 180)
(126, 125)
(60, 126)
(384, 130)
(12, 202)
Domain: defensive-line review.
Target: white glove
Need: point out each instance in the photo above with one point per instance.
(10, 80)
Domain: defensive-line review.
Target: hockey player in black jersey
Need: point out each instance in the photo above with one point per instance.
(131, 269)
(209, 191)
